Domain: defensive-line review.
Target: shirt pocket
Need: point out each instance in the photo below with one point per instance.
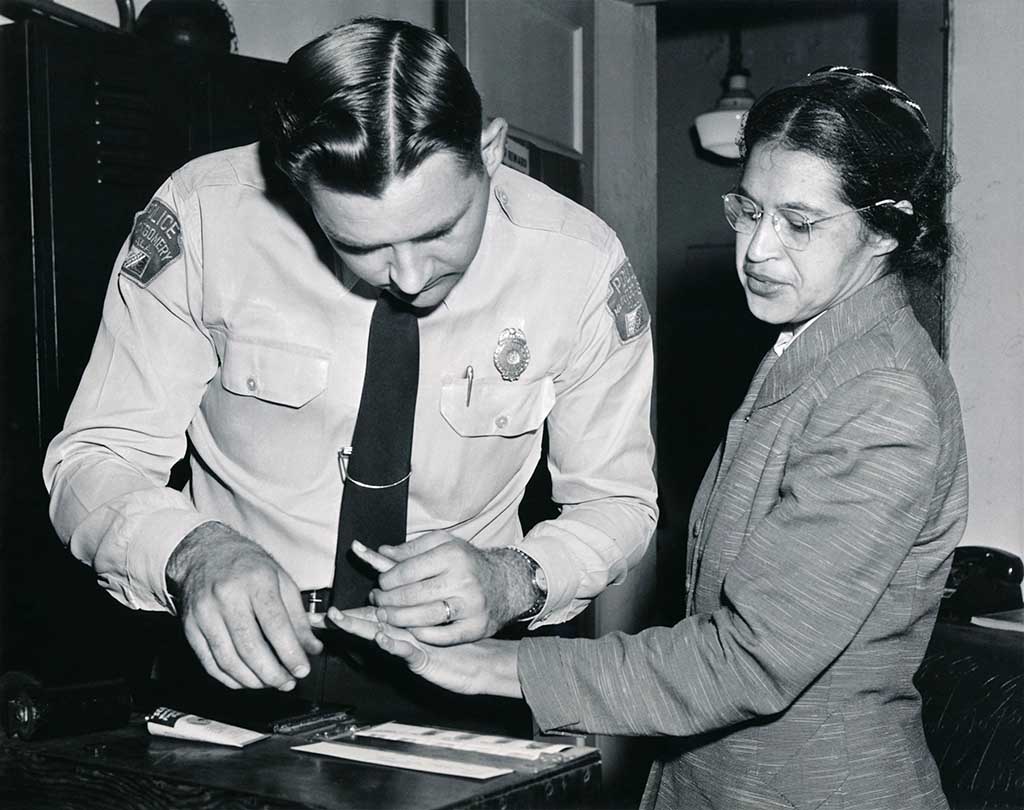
(290, 375)
(267, 415)
(496, 408)
(483, 459)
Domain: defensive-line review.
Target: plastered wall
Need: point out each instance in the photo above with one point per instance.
(986, 340)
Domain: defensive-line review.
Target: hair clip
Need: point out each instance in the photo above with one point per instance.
(879, 82)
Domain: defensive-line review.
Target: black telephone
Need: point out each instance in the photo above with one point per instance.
(981, 580)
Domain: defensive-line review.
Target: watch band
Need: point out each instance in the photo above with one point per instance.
(538, 586)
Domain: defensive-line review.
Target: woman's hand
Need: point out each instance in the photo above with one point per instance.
(485, 667)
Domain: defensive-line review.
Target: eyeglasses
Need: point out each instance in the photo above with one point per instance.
(791, 226)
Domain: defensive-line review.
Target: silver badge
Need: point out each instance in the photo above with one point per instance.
(512, 355)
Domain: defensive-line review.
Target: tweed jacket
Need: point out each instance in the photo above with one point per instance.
(820, 541)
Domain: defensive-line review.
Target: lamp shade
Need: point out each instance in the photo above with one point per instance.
(719, 130)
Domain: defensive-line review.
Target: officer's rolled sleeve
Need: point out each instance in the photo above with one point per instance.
(133, 571)
(107, 470)
(601, 459)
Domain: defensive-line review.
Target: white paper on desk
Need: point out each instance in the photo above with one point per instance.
(462, 740)
(397, 759)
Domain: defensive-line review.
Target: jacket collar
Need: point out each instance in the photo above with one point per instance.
(847, 320)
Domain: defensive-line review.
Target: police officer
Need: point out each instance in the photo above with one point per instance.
(238, 317)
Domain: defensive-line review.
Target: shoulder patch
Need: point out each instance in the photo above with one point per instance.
(626, 303)
(156, 242)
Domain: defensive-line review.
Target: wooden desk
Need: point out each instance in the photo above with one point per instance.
(127, 768)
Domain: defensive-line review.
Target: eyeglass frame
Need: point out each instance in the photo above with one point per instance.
(808, 223)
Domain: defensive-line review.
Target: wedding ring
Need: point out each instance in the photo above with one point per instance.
(447, 612)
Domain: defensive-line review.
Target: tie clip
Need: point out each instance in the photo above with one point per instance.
(343, 456)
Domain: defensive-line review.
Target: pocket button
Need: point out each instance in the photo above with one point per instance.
(501, 422)
(251, 383)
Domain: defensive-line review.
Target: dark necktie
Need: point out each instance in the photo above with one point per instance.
(376, 490)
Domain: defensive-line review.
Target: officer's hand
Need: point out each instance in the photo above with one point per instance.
(441, 588)
(241, 612)
(487, 667)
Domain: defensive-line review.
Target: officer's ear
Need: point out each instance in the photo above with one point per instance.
(492, 144)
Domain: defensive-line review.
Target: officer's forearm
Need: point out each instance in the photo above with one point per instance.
(514, 591)
(205, 541)
(178, 562)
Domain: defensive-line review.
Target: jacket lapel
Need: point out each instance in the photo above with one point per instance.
(849, 319)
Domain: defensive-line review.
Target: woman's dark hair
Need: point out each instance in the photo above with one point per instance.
(877, 141)
(369, 101)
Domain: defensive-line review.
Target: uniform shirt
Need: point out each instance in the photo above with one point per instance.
(228, 318)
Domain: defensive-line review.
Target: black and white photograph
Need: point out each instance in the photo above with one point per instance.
(492, 404)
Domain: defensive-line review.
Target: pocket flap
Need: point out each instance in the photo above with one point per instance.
(818, 768)
(496, 407)
(286, 375)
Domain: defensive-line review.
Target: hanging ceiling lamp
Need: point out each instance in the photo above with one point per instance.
(719, 129)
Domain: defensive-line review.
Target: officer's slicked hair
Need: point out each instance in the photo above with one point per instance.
(369, 101)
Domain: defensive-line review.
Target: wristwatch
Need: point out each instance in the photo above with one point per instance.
(539, 583)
